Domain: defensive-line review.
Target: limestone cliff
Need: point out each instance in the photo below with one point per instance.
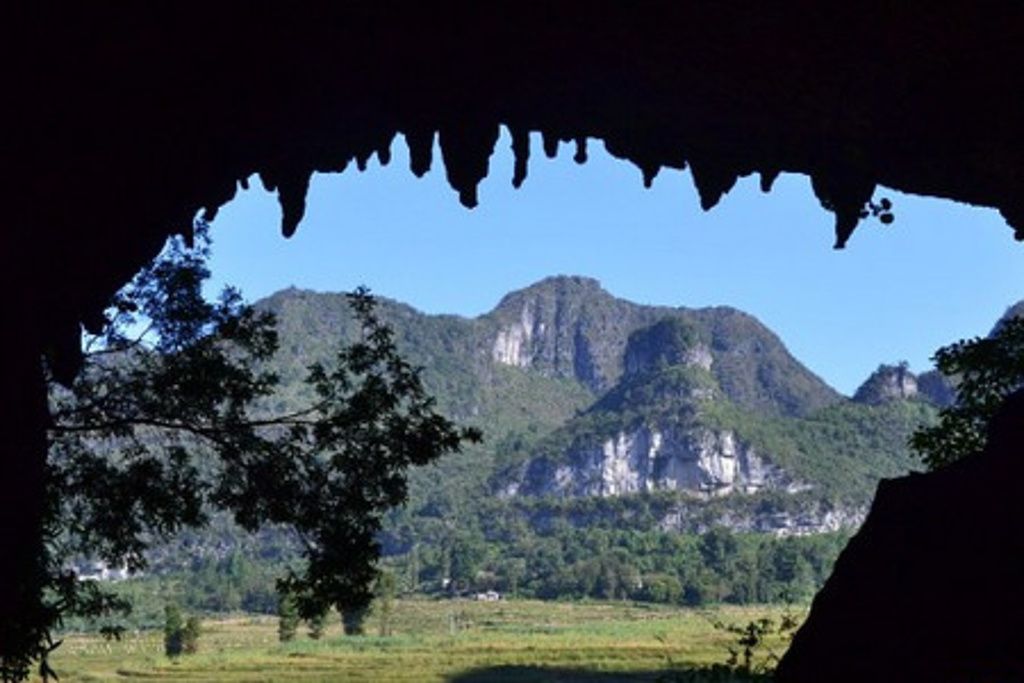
(695, 460)
(569, 327)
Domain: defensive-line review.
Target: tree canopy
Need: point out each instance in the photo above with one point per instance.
(985, 371)
(169, 420)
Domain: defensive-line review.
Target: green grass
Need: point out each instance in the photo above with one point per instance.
(505, 641)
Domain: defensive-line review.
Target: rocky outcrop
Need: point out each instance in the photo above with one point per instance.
(512, 345)
(810, 519)
(569, 327)
(670, 341)
(888, 383)
(566, 326)
(697, 460)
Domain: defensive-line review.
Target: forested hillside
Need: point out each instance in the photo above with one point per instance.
(657, 453)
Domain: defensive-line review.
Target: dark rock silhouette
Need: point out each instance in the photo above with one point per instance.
(122, 122)
(930, 587)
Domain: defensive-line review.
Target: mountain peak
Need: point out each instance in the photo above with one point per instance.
(1014, 311)
(888, 383)
(556, 286)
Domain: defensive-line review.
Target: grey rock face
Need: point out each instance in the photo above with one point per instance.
(512, 345)
(569, 327)
(807, 521)
(887, 383)
(696, 460)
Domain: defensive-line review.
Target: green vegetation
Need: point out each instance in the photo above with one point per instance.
(843, 449)
(169, 420)
(614, 366)
(317, 624)
(190, 635)
(602, 559)
(614, 554)
(504, 641)
(986, 370)
(173, 631)
(287, 618)
(455, 535)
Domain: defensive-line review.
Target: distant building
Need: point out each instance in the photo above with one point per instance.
(488, 596)
(100, 571)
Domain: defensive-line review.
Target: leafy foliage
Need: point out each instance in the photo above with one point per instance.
(317, 624)
(385, 601)
(455, 528)
(173, 631)
(190, 635)
(987, 370)
(287, 618)
(169, 420)
(843, 449)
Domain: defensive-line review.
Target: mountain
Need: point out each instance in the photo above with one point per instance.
(886, 384)
(650, 452)
(896, 382)
(570, 327)
(1014, 311)
(580, 394)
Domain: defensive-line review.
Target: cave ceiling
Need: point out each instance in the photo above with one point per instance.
(124, 121)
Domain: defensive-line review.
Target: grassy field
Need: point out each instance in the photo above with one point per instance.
(457, 641)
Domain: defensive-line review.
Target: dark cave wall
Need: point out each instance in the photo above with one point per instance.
(122, 121)
(129, 119)
(930, 587)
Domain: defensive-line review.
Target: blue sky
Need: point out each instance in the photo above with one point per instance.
(941, 272)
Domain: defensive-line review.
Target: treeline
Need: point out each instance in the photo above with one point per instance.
(654, 566)
(563, 563)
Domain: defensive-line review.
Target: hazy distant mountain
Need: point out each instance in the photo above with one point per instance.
(1014, 311)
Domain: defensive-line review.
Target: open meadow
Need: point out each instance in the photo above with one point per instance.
(437, 640)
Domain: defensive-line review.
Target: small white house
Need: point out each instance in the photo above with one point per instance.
(488, 596)
(100, 571)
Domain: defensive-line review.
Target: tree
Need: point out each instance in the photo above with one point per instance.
(168, 420)
(385, 605)
(985, 371)
(352, 620)
(317, 623)
(190, 635)
(173, 631)
(287, 618)
(468, 551)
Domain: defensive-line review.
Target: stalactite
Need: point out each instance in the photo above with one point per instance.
(215, 199)
(384, 149)
(650, 172)
(768, 178)
(421, 150)
(362, 157)
(521, 152)
(1013, 214)
(550, 141)
(712, 180)
(466, 150)
(581, 150)
(843, 191)
(291, 194)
